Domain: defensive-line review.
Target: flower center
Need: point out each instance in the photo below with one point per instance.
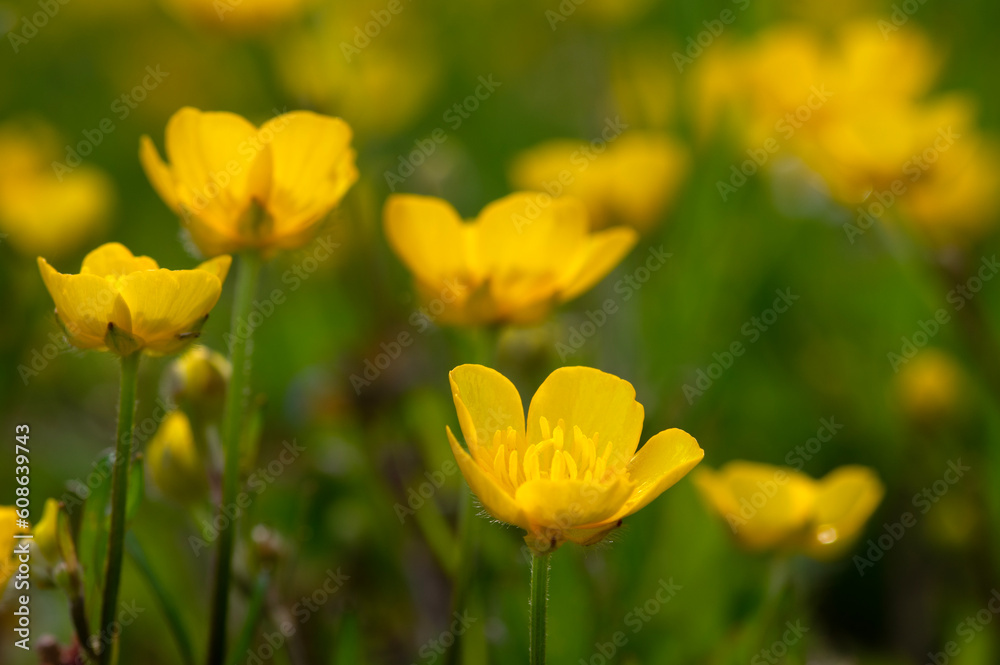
(556, 457)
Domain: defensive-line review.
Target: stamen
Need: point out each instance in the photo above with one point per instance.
(543, 423)
(512, 468)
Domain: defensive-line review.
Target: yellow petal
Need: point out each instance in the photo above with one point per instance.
(114, 259)
(528, 243)
(429, 237)
(486, 402)
(46, 531)
(846, 498)
(499, 504)
(84, 304)
(568, 504)
(312, 167)
(594, 401)
(168, 304)
(661, 462)
(158, 173)
(764, 506)
(603, 251)
(219, 266)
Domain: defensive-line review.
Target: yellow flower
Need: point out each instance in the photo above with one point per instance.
(770, 507)
(46, 211)
(574, 473)
(521, 255)
(8, 529)
(124, 303)
(630, 182)
(46, 532)
(237, 187)
(174, 463)
(197, 381)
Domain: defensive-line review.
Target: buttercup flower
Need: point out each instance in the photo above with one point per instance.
(46, 532)
(573, 473)
(174, 463)
(630, 182)
(124, 303)
(197, 381)
(770, 507)
(8, 528)
(47, 207)
(521, 255)
(237, 187)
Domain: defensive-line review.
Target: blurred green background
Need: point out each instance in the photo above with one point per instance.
(335, 506)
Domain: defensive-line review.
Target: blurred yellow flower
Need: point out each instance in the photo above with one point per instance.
(771, 507)
(197, 381)
(46, 532)
(237, 16)
(8, 529)
(519, 257)
(42, 212)
(125, 303)
(631, 181)
(931, 385)
(575, 473)
(237, 187)
(175, 464)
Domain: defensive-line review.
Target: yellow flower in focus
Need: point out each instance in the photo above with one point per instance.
(931, 385)
(175, 464)
(46, 532)
(237, 187)
(771, 507)
(237, 16)
(125, 303)
(43, 211)
(631, 182)
(573, 474)
(8, 529)
(519, 257)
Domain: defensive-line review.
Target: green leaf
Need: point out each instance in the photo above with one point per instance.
(93, 538)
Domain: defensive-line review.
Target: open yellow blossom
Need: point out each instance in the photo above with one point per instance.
(771, 507)
(174, 462)
(572, 473)
(125, 303)
(8, 529)
(236, 186)
(630, 182)
(47, 207)
(520, 256)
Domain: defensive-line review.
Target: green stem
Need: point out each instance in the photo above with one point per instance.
(539, 604)
(119, 499)
(253, 617)
(167, 604)
(246, 286)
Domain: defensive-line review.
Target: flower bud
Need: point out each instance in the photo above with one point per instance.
(46, 532)
(175, 464)
(197, 382)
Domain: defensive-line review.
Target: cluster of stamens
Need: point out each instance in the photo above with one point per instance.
(555, 457)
